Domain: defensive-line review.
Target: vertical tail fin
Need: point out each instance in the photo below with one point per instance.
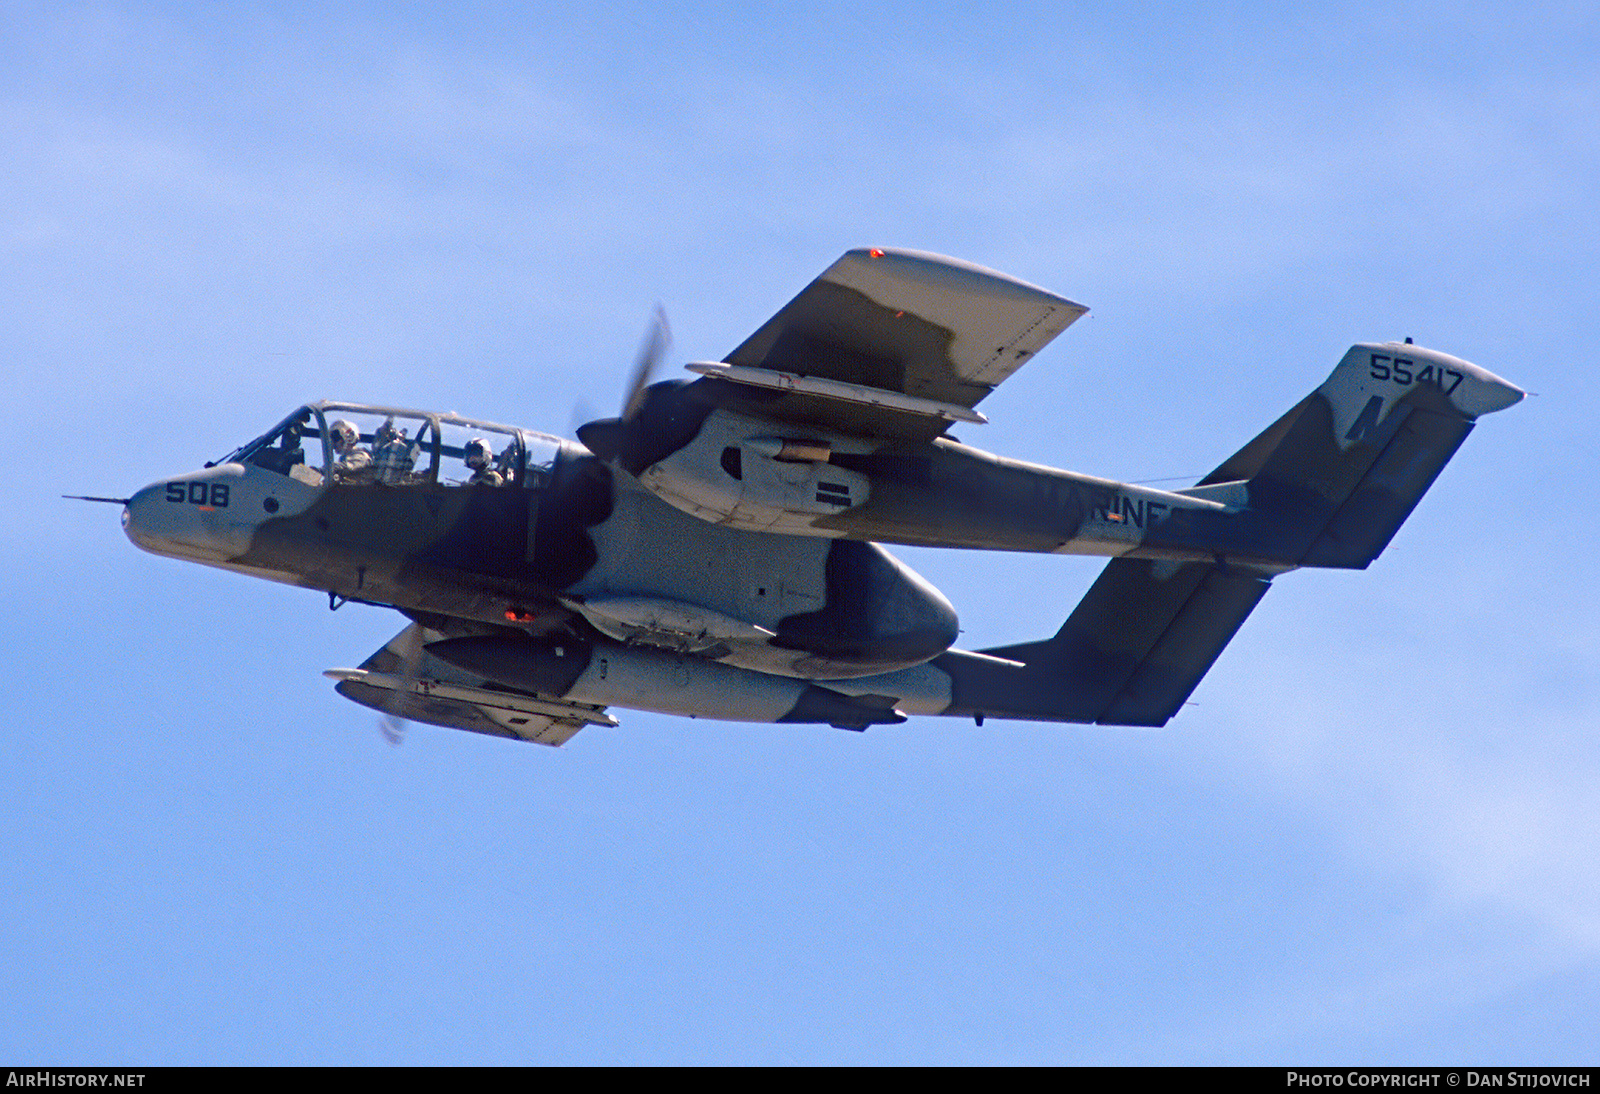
(1335, 477)
(1130, 654)
(1328, 484)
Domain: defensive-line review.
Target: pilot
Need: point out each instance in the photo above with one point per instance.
(478, 457)
(351, 459)
(392, 455)
(284, 456)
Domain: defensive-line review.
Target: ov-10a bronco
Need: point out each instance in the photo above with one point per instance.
(715, 550)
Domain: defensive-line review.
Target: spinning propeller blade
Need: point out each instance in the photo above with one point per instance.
(607, 437)
(657, 340)
(407, 647)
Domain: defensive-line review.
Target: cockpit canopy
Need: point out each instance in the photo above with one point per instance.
(351, 444)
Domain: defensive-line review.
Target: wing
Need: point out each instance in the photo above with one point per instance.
(892, 342)
(439, 694)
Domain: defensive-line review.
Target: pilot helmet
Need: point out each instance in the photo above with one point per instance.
(478, 454)
(344, 435)
(387, 433)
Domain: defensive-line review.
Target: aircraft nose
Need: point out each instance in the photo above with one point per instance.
(144, 522)
(159, 520)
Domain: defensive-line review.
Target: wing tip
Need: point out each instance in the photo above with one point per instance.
(932, 263)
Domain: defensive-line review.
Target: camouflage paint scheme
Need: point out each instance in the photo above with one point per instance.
(714, 552)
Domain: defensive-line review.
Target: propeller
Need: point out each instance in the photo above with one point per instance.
(607, 437)
(407, 648)
(657, 341)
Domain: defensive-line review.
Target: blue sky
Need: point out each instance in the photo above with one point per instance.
(1371, 837)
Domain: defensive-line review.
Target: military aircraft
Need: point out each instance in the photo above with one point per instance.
(714, 551)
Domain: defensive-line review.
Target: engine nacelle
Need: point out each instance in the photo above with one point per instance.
(873, 614)
(787, 605)
(738, 472)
